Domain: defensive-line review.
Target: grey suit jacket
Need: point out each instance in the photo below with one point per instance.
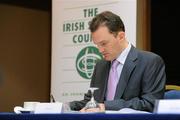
(142, 81)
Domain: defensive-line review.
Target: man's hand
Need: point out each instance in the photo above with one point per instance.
(101, 108)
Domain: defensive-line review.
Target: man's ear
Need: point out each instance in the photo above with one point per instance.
(121, 35)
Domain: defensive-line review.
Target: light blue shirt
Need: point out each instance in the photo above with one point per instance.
(122, 58)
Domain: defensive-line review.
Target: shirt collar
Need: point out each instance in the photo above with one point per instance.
(122, 57)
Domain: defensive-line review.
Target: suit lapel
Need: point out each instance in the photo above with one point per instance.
(128, 67)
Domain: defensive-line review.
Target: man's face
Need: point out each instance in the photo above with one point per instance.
(107, 43)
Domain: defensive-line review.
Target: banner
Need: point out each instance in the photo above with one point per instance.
(73, 52)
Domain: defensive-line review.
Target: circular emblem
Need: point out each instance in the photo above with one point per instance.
(86, 61)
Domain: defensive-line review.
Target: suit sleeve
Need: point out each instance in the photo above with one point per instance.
(78, 105)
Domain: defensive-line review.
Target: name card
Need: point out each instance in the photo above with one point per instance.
(171, 106)
(48, 108)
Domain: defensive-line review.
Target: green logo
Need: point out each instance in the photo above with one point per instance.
(86, 61)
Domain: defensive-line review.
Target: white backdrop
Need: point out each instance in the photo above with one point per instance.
(73, 53)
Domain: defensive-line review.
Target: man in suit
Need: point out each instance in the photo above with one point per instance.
(140, 74)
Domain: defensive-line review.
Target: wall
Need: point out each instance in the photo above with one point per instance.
(25, 44)
(165, 33)
(143, 25)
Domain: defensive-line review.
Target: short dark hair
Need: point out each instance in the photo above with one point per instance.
(112, 21)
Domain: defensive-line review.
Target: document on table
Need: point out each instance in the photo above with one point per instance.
(122, 111)
(127, 111)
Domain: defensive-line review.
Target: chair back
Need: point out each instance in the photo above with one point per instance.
(172, 94)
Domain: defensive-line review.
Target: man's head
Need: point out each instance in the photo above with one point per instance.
(112, 21)
(108, 33)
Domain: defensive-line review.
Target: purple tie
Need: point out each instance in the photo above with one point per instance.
(112, 81)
